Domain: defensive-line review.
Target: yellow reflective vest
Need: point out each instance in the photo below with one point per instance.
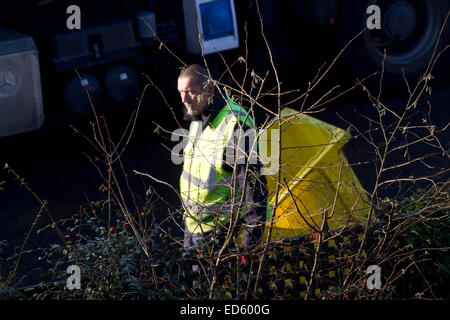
(205, 187)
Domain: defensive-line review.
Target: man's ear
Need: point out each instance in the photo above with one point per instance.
(211, 90)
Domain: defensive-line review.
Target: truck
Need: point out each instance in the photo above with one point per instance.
(54, 52)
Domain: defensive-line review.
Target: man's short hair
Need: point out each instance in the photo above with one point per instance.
(196, 72)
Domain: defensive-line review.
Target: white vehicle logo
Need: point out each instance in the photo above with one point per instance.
(9, 81)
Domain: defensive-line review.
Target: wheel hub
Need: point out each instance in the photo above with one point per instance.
(399, 20)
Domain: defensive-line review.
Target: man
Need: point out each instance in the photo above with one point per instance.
(213, 178)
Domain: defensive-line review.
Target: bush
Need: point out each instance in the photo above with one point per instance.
(414, 259)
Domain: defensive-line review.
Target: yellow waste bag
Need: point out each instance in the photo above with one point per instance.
(315, 177)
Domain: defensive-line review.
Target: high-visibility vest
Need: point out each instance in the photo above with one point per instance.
(205, 187)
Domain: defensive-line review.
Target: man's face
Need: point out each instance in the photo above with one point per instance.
(193, 96)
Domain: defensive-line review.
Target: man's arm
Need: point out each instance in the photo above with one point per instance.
(250, 180)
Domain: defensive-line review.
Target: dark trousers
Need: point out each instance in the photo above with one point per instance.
(195, 240)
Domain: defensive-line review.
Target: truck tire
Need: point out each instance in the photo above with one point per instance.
(409, 33)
